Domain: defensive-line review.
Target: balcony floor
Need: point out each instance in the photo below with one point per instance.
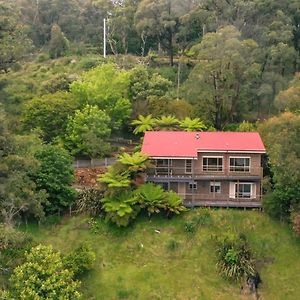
(221, 203)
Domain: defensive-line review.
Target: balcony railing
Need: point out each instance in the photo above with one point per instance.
(174, 171)
(218, 197)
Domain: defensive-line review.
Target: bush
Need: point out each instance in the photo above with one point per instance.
(43, 57)
(276, 206)
(80, 260)
(204, 218)
(295, 218)
(234, 258)
(13, 245)
(89, 201)
(172, 245)
(43, 276)
(55, 175)
(190, 226)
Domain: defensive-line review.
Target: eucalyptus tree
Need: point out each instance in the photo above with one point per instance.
(220, 83)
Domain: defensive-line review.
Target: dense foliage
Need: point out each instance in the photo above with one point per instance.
(234, 258)
(43, 276)
(126, 192)
(55, 175)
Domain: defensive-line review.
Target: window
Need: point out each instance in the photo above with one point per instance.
(163, 162)
(213, 164)
(164, 185)
(215, 187)
(239, 164)
(188, 166)
(243, 190)
(163, 167)
(193, 185)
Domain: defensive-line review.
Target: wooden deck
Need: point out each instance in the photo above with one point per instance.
(220, 203)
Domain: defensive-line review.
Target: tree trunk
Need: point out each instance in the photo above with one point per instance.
(218, 106)
(171, 54)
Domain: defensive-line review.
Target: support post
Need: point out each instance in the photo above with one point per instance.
(104, 37)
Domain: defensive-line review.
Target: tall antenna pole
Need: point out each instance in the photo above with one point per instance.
(104, 38)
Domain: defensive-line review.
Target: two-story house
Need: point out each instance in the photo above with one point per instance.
(207, 168)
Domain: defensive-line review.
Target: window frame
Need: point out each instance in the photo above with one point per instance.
(205, 168)
(185, 166)
(237, 193)
(233, 168)
(214, 184)
(193, 185)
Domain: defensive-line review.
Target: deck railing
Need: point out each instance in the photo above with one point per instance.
(173, 171)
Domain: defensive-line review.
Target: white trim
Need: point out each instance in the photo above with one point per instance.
(172, 157)
(232, 151)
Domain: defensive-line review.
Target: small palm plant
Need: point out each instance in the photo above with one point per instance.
(151, 197)
(189, 124)
(167, 123)
(121, 207)
(114, 179)
(137, 162)
(143, 124)
(173, 204)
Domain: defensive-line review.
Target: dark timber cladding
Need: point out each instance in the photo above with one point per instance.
(207, 168)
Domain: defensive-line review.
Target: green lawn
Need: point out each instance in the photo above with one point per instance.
(138, 263)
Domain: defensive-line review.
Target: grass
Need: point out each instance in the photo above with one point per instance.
(139, 263)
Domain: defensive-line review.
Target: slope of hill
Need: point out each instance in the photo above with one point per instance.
(140, 263)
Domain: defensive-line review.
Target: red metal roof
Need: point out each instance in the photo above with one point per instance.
(187, 144)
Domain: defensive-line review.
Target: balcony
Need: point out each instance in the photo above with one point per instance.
(220, 200)
(175, 173)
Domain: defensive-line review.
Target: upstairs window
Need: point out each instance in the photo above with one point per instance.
(188, 166)
(213, 164)
(163, 162)
(239, 164)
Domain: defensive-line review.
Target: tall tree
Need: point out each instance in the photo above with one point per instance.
(158, 19)
(18, 192)
(14, 42)
(220, 82)
(107, 87)
(58, 45)
(55, 174)
(282, 138)
(87, 132)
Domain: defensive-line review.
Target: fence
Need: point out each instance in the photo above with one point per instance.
(93, 162)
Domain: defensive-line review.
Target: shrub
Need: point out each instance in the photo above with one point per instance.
(204, 218)
(13, 245)
(234, 258)
(121, 208)
(89, 201)
(173, 204)
(94, 226)
(295, 218)
(190, 226)
(172, 245)
(42, 57)
(55, 175)
(43, 276)
(151, 197)
(80, 260)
